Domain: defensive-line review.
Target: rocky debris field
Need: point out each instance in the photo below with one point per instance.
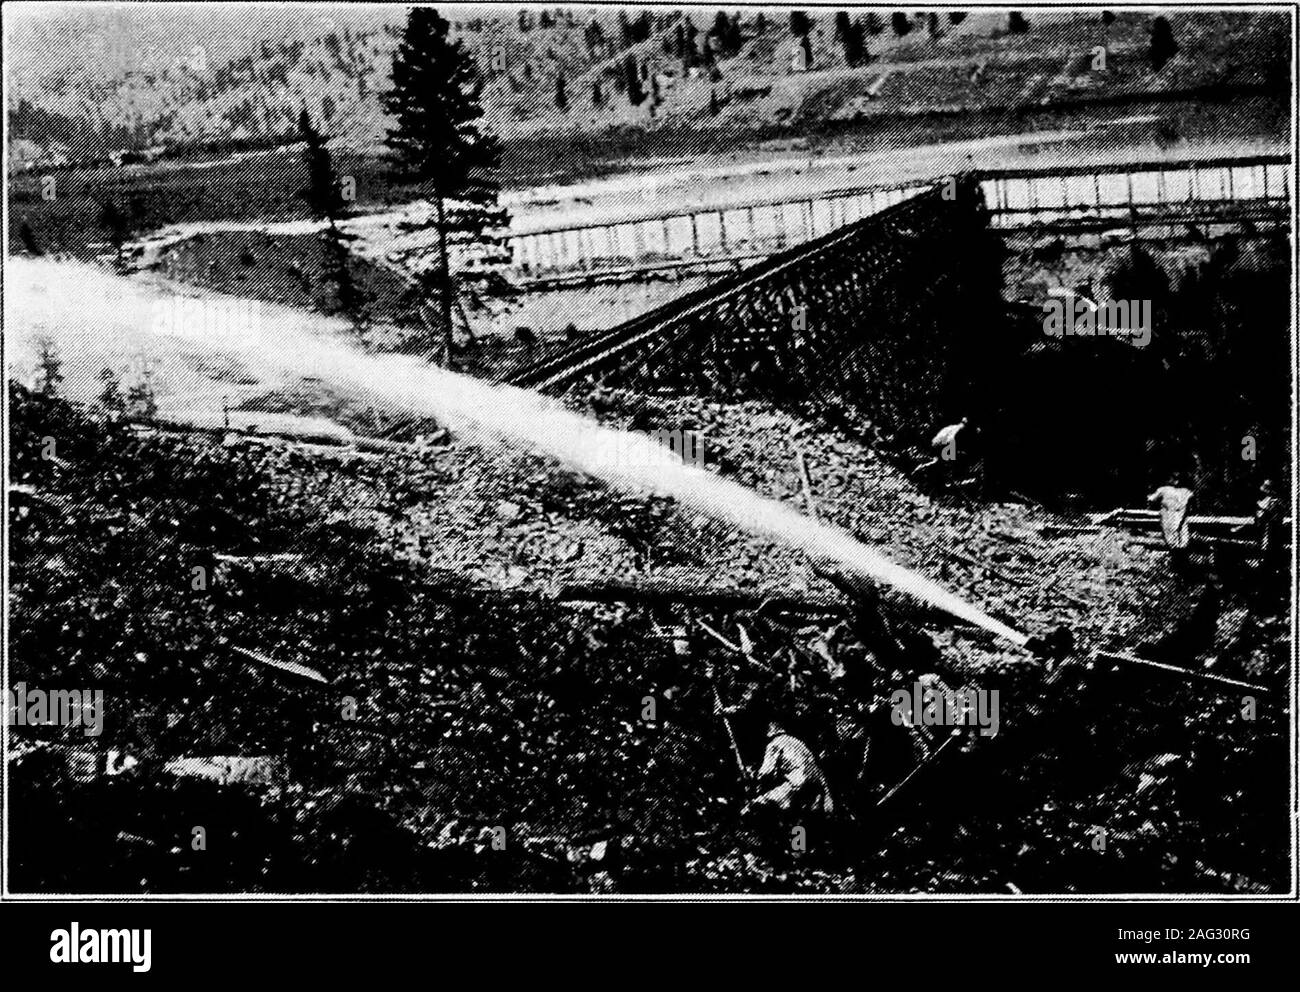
(513, 519)
(376, 688)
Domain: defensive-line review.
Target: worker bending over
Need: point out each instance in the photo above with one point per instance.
(793, 781)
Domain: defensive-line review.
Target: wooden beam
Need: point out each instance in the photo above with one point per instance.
(1064, 530)
(1176, 670)
(738, 649)
(663, 591)
(925, 762)
(806, 480)
(259, 559)
(720, 639)
(1151, 519)
(292, 667)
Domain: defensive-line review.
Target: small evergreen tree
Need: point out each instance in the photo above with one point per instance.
(851, 35)
(50, 373)
(635, 92)
(1163, 46)
(726, 31)
(691, 49)
(110, 397)
(321, 192)
(349, 299)
(736, 37)
(140, 399)
(721, 28)
(118, 225)
(1138, 276)
(28, 238)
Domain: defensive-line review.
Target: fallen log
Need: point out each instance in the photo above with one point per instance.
(1065, 530)
(166, 424)
(263, 769)
(738, 649)
(720, 639)
(670, 592)
(21, 491)
(292, 667)
(307, 440)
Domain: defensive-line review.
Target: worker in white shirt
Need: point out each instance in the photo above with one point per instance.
(947, 455)
(1174, 500)
(944, 444)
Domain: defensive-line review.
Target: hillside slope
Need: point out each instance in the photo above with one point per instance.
(84, 82)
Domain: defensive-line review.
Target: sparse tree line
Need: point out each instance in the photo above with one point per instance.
(138, 402)
(637, 79)
(241, 94)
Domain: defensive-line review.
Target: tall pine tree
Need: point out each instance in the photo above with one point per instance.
(437, 138)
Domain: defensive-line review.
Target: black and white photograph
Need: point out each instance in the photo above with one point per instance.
(614, 453)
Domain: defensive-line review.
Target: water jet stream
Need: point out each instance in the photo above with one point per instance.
(63, 301)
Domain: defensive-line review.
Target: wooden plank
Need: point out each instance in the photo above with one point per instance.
(1174, 669)
(738, 649)
(1151, 518)
(806, 480)
(292, 667)
(259, 559)
(663, 591)
(1065, 530)
(926, 762)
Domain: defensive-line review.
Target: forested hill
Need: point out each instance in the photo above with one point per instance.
(83, 81)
